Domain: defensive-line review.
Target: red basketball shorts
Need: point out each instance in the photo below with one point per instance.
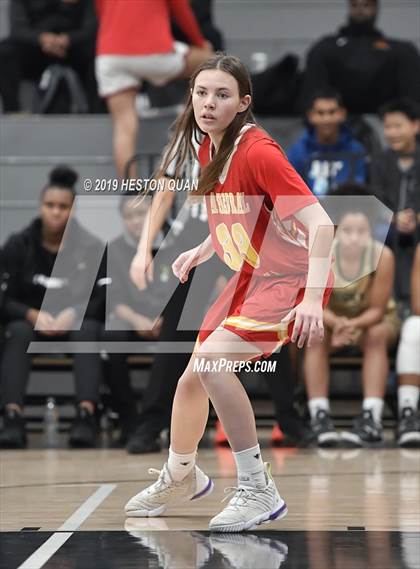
(253, 306)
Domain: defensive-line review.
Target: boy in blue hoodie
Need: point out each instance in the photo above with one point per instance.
(327, 154)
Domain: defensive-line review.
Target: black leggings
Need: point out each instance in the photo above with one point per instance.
(16, 362)
(117, 377)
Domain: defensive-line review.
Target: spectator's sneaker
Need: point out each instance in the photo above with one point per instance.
(13, 434)
(128, 427)
(153, 500)
(143, 442)
(296, 433)
(84, 430)
(408, 430)
(366, 431)
(323, 429)
(250, 507)
(248, 551)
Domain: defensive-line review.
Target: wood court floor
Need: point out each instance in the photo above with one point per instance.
(325, 490)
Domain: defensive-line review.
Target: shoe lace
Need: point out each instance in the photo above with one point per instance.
(366, 421)
(161, 484)
(409, 419)
(155, 471)
(160, 474)
(239, 495)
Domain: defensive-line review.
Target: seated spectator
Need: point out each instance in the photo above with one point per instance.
(362, 64)
(361, 314)
(327, 154)
(130, 311)
(408, 367)
(43, 305)
(46, 33)
(395, 180)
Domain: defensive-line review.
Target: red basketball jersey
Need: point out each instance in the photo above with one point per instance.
(143, 27)
(251, 209)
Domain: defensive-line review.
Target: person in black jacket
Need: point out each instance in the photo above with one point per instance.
(48, 264)
(44, 32)
(131, 315)
(366, 67)
(395, 180)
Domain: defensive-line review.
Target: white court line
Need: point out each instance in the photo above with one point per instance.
(87, 508)
(45, 551)
(53, 543)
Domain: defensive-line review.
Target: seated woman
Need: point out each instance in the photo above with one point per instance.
(48, 264)
(362, 314)
(408, 367)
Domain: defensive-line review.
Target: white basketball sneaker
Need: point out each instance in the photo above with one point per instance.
(250, 507)
(153, 500)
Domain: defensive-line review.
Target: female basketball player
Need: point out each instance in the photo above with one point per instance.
(263, 221)
(135, 44)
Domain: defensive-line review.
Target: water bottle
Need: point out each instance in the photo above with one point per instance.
(51, 423)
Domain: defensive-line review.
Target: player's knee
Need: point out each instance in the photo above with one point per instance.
(206, 363)
(188, 381)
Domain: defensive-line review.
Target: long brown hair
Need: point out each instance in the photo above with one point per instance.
(186, 128)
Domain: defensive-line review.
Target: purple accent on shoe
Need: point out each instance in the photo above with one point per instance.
(206, 489)
(279, 511)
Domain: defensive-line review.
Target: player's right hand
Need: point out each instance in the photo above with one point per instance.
(141, 269)
(183, 264)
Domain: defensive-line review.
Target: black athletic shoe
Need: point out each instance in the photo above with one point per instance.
(143, 441)
(408, 429)
(296, 433)
(366, 431)
(323, 429)
(13, 434)
(84, 430)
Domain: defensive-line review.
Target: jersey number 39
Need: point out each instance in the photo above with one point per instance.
(236, 246)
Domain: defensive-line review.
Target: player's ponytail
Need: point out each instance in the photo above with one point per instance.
(181, 148)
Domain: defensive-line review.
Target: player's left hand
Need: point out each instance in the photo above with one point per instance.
(309, 324)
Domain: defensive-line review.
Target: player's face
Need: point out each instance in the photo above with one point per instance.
(363, 10)
(353, 233)
(400, 132)
(216, 101)
(134, 215)
(326, 116)
(55, 209)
